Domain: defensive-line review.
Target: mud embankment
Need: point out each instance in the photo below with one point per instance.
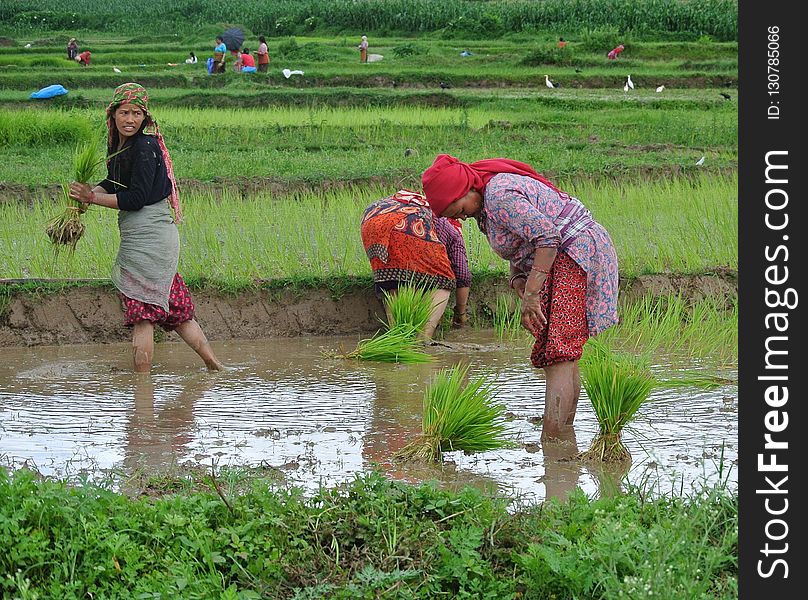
(92, 314)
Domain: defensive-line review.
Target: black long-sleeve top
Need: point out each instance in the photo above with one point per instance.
(141, 171)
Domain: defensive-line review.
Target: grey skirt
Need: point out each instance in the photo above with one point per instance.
(148, 255)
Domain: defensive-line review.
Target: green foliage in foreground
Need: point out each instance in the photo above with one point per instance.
(369, 539)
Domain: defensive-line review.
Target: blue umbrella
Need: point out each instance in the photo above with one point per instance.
(233, 38)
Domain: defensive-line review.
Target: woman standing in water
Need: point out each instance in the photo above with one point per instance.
(140, 185)
(563, 262)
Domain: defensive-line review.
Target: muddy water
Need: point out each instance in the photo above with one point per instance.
(283, 406)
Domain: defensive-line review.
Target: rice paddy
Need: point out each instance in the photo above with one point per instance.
(274, 174)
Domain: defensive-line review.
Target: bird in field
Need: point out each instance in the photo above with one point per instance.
(444, 85)
(116, 69)
(630, 83)
(578, 71)
(625, 87)
(549, 83)
(700, 161)
(660, 88)
(725, 96)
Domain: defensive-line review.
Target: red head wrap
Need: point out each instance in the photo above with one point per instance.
(449, 179)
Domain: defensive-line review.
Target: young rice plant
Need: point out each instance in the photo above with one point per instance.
(457, 417)
(617, 385)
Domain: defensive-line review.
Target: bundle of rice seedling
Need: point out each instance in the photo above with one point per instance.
(67, 228)
(397, 344)
(410, 304)
(617, 385)
(457, 417)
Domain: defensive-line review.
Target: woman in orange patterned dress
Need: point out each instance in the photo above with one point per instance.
(406, 244)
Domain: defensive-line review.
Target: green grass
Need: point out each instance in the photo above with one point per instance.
(706, 327)
(396, 344)
(411, 305)
(235, 241)
(294, 146)
(595, 20)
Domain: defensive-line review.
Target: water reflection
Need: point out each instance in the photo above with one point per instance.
(562, 470)
(321, 421)
(157, 437)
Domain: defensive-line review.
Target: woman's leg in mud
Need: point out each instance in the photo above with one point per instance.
(440, 298)
(576, 383)
(192, 333)
(143, 346)
(563, 387)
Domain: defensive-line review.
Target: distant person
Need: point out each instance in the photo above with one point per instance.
(191, 60)
(84, 58)
(363, 49)
(263, 55)
(561, 42)
(72, 49)
(219, 53)
(247, 61)
(615, 52)
(236, 54)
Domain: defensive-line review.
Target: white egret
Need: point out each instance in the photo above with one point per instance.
(700, 161)
(630, 83)
(660, 88)
(116, 69)
(548, 83)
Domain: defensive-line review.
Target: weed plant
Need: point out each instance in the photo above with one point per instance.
(181, 540)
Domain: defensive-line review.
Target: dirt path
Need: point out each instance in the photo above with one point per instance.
(92, 314)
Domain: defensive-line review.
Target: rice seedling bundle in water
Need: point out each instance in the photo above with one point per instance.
(617, 385)
(67, 228)
(409, 304)
(457, 417)
(398, 344)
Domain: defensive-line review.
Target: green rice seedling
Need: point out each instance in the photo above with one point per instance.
(398, 344)
(411, 304)
(617, 385)
(67, 228)
(457, 417)
(508, 320)
(704, 382)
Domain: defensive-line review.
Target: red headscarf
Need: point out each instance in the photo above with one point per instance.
(134, 93)
(449, 179)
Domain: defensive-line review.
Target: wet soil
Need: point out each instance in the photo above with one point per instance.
(91, 312)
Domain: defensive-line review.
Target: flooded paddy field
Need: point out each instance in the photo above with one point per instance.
(284, 407)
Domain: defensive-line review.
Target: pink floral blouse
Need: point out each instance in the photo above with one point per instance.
(521, 214)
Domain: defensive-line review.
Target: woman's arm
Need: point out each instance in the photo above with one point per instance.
(96, 195)
(533, 319)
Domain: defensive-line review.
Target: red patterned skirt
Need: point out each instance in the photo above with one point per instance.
(563, 301)
(180, 308)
